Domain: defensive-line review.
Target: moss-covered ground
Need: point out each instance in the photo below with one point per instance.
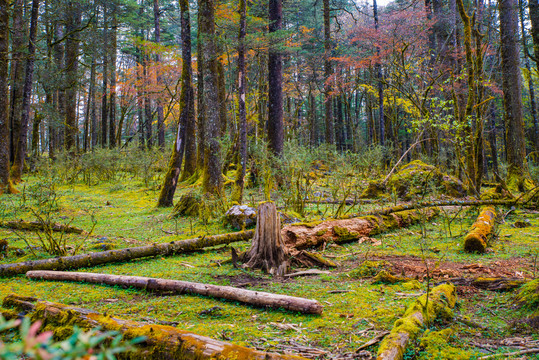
(355, 310)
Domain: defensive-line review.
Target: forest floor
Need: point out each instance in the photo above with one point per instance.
(355, 311)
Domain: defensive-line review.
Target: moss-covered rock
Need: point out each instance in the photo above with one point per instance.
(188, 205)
(368, 269)
(240, 217)
(416, 178)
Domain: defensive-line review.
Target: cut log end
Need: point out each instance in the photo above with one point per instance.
(482, 230)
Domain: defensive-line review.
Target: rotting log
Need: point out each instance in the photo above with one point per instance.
(162, 341)
(481, 231)
(121, 255)
(491, 284)
(422, 312)
(257, 298)
(305, 235)
(38, 226)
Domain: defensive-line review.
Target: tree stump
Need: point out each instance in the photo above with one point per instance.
(268, 251)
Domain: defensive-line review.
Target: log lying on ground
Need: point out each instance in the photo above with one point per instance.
(257, 298)
(423, 311)
(38, 226)
(492, 284)
(482, 230)
(301, 236)
(162, 342)
(93, 259)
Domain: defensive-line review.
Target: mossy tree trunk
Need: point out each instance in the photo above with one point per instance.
(268, 251)
(162, 342)
(187, 117)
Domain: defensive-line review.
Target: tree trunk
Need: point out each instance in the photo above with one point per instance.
(268, 251)
(113, 256)
(275, 80)
(148, 114)
(533, 8)
(328, 72)
(481, 232)
(5, 181)
(379, 77)
(257, 298)
(242, 78)
(17, 86)
(112, 64)
(72, 53)
(512, 97)
(161, 342)
(160, 116)
(212, 179)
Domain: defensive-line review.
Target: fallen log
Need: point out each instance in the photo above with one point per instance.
(250, 297)
(422, 312)
(162, 341)
(39, 226)
(491, 284)
(120, 255)
(481, 231)
(305, 235)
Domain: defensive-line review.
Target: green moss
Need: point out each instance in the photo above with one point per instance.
(309, 225)
(411, 285)
(385, 277)
(528, 295)
(344, 235)
(435, 346)
(368, 269)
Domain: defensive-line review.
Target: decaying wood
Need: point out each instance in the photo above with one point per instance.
(257, 298)
(38, 226)
(301, 236)
(120, 255)
(511, 354)
(422, 312)
(492, 284)
(162, 342)
(481, 231)
(268, 251)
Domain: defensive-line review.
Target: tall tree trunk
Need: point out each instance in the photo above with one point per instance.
(5, 181)
(379, 76)
(60, 96)
(240, 180)
(17, 86)
(20, 153)
(72, 54)
(201, 111)
(160, 115)
(112, 65)
(512, 98)
(533, 8)
(187, 115)
(212, 179)
(147, 104)
(275, 80)
(104, 96)
(328, 72)
(223, 119)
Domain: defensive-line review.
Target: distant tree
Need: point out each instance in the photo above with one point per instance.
(73, 20)
(275, 80)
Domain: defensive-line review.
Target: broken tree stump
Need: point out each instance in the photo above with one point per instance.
(162, 341)
(481, 231)
(38, 226)
(120, 255)
(305, 235)
(268, 251)
(423, 311)
(250, 297)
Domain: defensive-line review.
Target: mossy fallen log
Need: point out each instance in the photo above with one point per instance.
(257, 298)
(162, 341)
(121, 255)
(38, 226)
(528, 296)
(491, 284)
(422, 312)
(305, 235)
(481, 231)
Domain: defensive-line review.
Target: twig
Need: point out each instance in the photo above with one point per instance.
(404, 155)
(372, 341)
(516, 353)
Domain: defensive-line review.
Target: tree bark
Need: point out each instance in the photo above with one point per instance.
(512, 97)
(112, 256)
(533, 8)
(268, 251)
(482, 230)
(328, 72)
(275, 81)
(162, 342)
(5, 181)
(112, 64)
(72, 54)
(160, 115)
(242, 78)
(212, 179)
(257, 298)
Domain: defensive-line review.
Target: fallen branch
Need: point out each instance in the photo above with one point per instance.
(492, 284)
(516, 353)
(481, 231)
(162, 342)
(257, 298)
(121, 255)
(38, 226)
(302, 235)
(422, 312)
(372, 341)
